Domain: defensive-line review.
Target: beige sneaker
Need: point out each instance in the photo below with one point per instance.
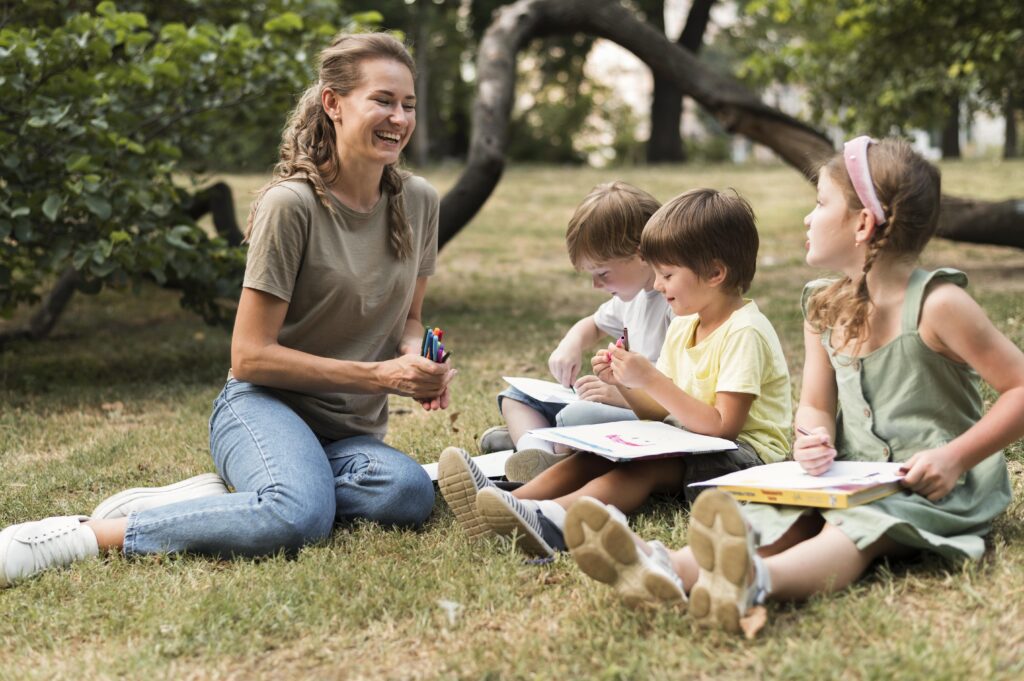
(526, 464)
(604, 547)
(732, 578)
(459, 480)
(496, 439)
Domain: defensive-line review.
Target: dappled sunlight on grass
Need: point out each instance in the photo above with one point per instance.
(120, 394)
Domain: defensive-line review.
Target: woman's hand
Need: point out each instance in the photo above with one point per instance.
(564, 364)
(813, 451)
(932, 473)
(414, 376)
(593, 389)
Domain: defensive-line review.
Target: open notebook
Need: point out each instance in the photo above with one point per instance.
(845, 484)
(633, 440)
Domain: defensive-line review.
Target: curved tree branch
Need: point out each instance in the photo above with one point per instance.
(737, 109)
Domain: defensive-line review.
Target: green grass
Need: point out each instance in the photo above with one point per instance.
(120, 396)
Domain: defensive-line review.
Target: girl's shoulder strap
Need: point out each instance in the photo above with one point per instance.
(916, 288)
(810, 288)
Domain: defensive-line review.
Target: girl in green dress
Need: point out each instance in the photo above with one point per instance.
(893, 359)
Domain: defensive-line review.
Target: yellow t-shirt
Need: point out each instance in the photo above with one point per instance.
(743, 355)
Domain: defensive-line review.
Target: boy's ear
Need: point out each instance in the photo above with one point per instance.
(717, 273)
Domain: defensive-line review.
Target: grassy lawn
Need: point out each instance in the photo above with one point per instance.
(121, 393)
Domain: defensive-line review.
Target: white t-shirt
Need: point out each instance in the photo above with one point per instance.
(647, 317)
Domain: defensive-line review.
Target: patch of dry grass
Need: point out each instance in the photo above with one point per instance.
(121, 393)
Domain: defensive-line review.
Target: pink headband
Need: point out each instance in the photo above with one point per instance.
(855, 154)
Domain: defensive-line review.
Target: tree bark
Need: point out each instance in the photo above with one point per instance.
(736, 108)
(665, 144)
(1010, 143)
(951, 130)
(421, 134)
(45, 318)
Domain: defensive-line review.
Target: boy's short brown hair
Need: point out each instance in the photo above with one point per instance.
(608, 222)
(701, 227)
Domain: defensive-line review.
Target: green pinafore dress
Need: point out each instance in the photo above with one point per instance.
(895, 401)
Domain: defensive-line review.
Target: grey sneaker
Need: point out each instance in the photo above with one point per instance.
(29, 548)
(732, 576)
(496, 439)
(604, 547)
(145, 498)
(459, 480)
(507, 516)
(526, 464)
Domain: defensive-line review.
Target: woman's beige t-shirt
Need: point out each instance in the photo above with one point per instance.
(348, 296)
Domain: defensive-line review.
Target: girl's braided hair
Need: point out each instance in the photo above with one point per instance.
(908, 187)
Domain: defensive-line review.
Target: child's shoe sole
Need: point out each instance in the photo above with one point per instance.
(505, 521)
(526, 464)
(718, 539)
(455, 481)
(606, 550)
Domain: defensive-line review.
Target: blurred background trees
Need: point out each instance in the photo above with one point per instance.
(112, 115)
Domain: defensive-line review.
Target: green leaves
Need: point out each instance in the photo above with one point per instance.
(51, 206)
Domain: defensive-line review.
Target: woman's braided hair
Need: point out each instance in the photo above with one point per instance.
(908, 187)
(308, 144)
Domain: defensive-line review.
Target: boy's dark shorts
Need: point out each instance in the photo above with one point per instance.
(701, 467)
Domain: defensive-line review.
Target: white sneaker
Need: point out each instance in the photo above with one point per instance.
(526, 464)
(606, 549)
(732, 576)
(29, 548)
(145, 498)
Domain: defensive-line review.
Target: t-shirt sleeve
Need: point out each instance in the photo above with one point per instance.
(668, 358)
(277, 243)
(810, 288)
(609, 317)
(746, 363)
(431, 205)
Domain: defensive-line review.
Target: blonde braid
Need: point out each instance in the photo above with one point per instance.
(399, 229)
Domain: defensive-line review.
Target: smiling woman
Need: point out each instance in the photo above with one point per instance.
(328, 325)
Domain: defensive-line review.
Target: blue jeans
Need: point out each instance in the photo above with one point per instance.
(581, 413)
(290, 485)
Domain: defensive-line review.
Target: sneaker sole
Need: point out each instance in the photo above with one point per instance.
(204, 485)
(524, 466)
(718, 538)
(503, 520)
(607, 552)
(455, 481)
(496, 439)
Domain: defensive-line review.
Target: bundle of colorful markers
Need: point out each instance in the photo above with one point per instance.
(433, 348)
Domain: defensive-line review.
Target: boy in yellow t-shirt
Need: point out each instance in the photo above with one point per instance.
(721, 372)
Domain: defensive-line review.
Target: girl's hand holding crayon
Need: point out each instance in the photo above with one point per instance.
(932, 473)
(813, 450)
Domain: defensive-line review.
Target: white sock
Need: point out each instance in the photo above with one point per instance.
(554, 512)
(530, 442)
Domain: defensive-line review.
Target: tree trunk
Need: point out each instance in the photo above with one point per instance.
(1010, 144)
(665, 144)
(45, 318)
(421, 135)
(951, 130)
(735, 107)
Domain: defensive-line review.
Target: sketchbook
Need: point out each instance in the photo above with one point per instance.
(493, 465)
(632, 440)
(544, 391)
(844, 485)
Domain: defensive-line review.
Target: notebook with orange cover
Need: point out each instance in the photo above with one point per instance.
(844, 485)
